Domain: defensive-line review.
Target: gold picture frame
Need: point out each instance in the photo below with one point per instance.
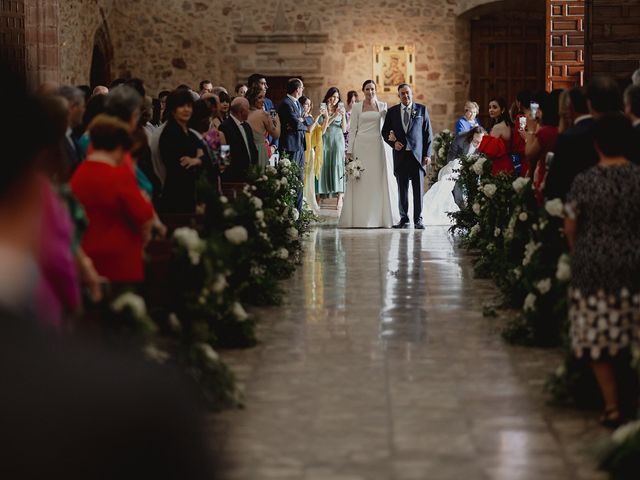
(392, 65)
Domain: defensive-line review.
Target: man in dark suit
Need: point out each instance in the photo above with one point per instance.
(407, 129)
(239, 137)
(257, 80)
(574, 152)
(292, 141)
(75, 99)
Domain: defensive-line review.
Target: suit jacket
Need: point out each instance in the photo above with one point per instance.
(419, 135)
(574, 153)
(241, 158)
(293, 129)
(460, 146)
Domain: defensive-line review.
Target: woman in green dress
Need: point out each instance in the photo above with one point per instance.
(334, 124)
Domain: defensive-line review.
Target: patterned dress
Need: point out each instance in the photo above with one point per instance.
(332, 174)
(605, 285)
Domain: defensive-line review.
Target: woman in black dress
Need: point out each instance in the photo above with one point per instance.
(181, 153)
(602, 227)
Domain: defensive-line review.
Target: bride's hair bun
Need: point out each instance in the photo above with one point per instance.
(367, 82)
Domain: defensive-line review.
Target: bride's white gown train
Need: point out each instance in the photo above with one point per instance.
(438, 201)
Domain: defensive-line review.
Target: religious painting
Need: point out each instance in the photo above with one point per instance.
(392, 65)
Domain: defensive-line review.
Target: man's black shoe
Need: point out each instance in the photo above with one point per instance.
(419, 226)
(402, 224)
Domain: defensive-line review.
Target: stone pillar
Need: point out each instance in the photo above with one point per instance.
(42, 42)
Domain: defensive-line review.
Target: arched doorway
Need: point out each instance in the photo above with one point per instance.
(102, 58)
(507, 50)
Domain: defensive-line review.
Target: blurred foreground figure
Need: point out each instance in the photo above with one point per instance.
(70, 409)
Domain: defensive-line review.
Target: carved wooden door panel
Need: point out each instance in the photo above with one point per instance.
(507, 55)
(12, 32)
(565, 43)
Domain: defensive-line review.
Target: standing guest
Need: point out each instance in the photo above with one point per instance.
(352, 99)
(100, 90)
(333, 122)
(312, 154)
(239, 137)
(224, 103)
(496, 145)
(162, 98)
(120, 218)
(214, 137)
(259, 80)
(181, 155)
(292, 141)
(468, 121)
(262, 124)
(602, 227)
(407, 129)
(205, 87)
(95, 106)
(75, 98)
(199, 124)
(241, 90)
(574, 151)
(540, 139)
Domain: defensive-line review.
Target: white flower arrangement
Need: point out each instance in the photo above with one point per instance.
(489, 190)
(478, 165)
(544, 286)
(239, 312)
(563, 272)
(259, 215)
(517, 272)
(296, 214)
(530, 303)
(554, 208)
(474, 230)
(223, 199)
(229, 212)
(523, 217)
(174, 322)
(284, 182)
(219, 284)
(519, 183)
(236, 235)
(292, 233)
(155, 354)
(133, 302)
(284, 162)
(496, 232)
(529, 250)
(476, 208)
(354, 169)
(270, 170)
(257, 203)
(625, 432)
(208, 354)
(190, 240)
(282, 253)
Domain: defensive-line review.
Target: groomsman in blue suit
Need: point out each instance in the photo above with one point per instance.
(258, 80)
(407, 129)
(292, 141)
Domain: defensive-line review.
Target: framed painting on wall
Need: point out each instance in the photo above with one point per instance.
(392, 65)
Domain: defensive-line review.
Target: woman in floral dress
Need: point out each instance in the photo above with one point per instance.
(602, 227)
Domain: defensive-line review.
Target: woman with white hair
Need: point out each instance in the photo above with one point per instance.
(467, 121)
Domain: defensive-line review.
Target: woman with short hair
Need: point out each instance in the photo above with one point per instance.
(468, 120)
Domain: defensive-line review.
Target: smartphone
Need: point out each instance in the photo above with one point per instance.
(523, 122)
(340, 105)
(534, 109)
(323, 106)
(225, 155)
(273, 112)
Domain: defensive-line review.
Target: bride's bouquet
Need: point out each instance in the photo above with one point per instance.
(354, 169)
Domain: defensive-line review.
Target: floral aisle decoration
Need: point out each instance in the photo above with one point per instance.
(465, 221)
(620, 455)
(441, 145)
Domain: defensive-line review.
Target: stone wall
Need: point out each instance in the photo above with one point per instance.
(79, 21)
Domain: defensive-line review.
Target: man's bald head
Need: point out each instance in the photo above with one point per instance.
(240, 108)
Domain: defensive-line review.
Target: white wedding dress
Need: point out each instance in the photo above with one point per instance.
(438, 201)
(372, 200)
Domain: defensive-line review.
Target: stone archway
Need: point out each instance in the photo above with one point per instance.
(102, 58)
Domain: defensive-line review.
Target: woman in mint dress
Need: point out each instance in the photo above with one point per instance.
(334, 124)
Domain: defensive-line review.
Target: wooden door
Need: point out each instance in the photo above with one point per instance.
(507, 55)
(565, 43)
(12, 36)
(278, 87)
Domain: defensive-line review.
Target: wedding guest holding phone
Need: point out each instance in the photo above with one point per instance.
(263, 124)
(334, 124)
(312, 154)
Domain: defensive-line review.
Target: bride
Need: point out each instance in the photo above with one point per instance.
(369, 201)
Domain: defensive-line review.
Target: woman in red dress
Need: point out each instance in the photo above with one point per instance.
(495, 146)
(120, 217)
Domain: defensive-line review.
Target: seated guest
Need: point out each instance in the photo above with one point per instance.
(181, 154)
(239, 137)
(602, 228)
(120, 217)
(241, 90)
(262, 124)
(496, 145)
(467, 121)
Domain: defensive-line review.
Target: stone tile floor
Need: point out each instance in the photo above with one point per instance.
(380, 365)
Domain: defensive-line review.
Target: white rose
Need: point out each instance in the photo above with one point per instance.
(563, 272)
(264, 177)
(219, 284)
(229, 212)
(282, 253)
(284, 181)
(496, 232)
(554, 207)
(490, 190)
(517, 272)
(154, 353)
(296, 214)
(257, 203)
(239, 312)
(523, 217)
(530, 302)
(292, 233)
(285, 162)
(270, 170)
(237, 235)
(260, 215)
(446, 130)
(209, 355)
(476, 208)
(223, 199)
(544, 286)
(529, 249)
(519, 183)
(174, 322)
(478, 165)
(131, 301)
(474, 230)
